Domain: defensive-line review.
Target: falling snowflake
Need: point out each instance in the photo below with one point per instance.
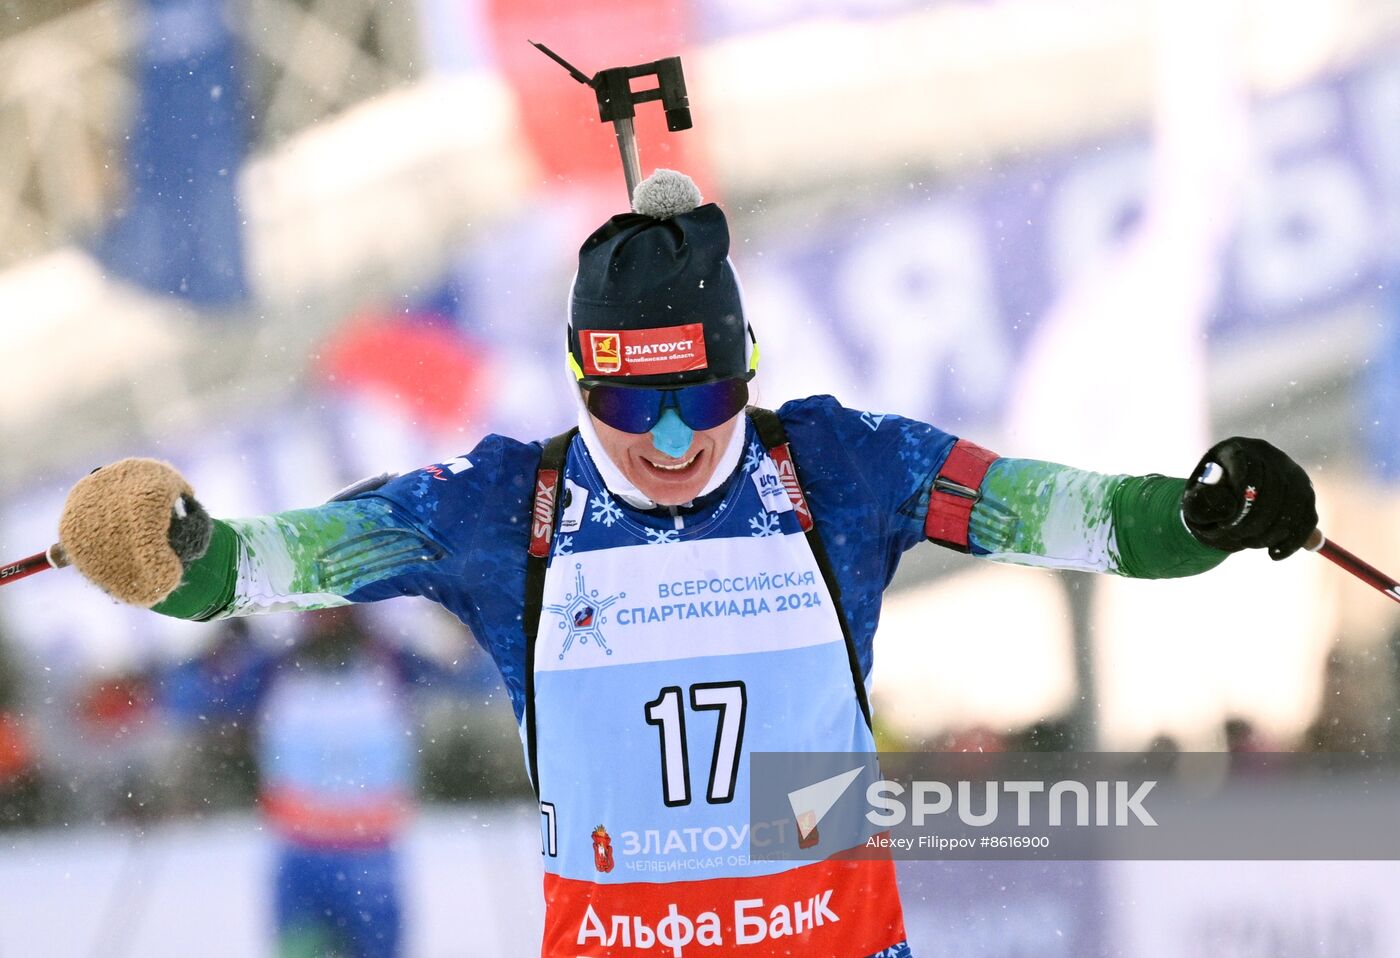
(755, 457)
(764, 524)
(658, 536)
(564, 546)
(605, 511)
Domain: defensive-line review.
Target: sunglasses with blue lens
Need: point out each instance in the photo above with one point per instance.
(637, 410)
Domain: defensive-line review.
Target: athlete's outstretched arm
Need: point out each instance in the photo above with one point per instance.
(135, 529)
(920, 484)
(1147, 527)
(1041, 513)
(303, 559)
(914, 483)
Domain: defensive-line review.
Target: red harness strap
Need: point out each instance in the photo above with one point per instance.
(542, 512)
(782, 458)
(955, 491)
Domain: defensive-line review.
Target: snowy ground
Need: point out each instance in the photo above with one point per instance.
(472, 888)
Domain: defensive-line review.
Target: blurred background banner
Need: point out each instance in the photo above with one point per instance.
(179, 229)
(1382, 404)
(286, 244)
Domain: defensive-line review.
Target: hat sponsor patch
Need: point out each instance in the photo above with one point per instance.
(604, 354)
(643, 352)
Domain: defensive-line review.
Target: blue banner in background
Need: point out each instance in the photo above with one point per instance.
(1382, 422)
(723, 18)
(925, 299)
(1318, 227)
(179, 231)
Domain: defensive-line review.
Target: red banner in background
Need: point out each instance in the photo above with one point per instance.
(433, 373)
(576, 151)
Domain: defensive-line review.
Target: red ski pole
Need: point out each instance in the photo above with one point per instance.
(52, 558)
(1363, 570)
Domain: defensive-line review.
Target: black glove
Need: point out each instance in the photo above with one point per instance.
(190, 529)
(1264, 500)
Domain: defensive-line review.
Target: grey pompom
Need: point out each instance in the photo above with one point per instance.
(664, 194)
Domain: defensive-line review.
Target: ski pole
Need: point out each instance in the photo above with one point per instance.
(1363, 570)
(51, 558)
(1319, 543)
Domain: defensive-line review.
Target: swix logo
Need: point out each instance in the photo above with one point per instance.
(788, 474)
(544, 509)
(436, 473)
(542, 526)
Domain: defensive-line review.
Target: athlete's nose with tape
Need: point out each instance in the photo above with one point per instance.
(671, 435)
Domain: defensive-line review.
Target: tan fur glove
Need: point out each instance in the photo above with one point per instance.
(131, 528)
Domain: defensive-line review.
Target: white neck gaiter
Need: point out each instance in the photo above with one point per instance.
(618, 484)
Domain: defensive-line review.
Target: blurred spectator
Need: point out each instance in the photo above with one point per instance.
(124, 749)
(1163, 744)
(1357, 703)
(20, 785)
(1241, 736)
(1047, 735)
(1163, 755)
(217, 769)
(332, 725)
(1249, 749)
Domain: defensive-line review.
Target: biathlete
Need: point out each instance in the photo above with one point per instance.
(677, 582)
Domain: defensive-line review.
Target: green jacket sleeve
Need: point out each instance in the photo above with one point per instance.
(1152, 539)
(1040, 513)
(207, 587)
(302, 559)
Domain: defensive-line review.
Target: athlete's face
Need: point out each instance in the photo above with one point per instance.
(666, 480)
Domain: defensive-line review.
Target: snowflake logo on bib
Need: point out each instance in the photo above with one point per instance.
(754, 458)
(605, 511)
(581, 614)
(764, 524)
